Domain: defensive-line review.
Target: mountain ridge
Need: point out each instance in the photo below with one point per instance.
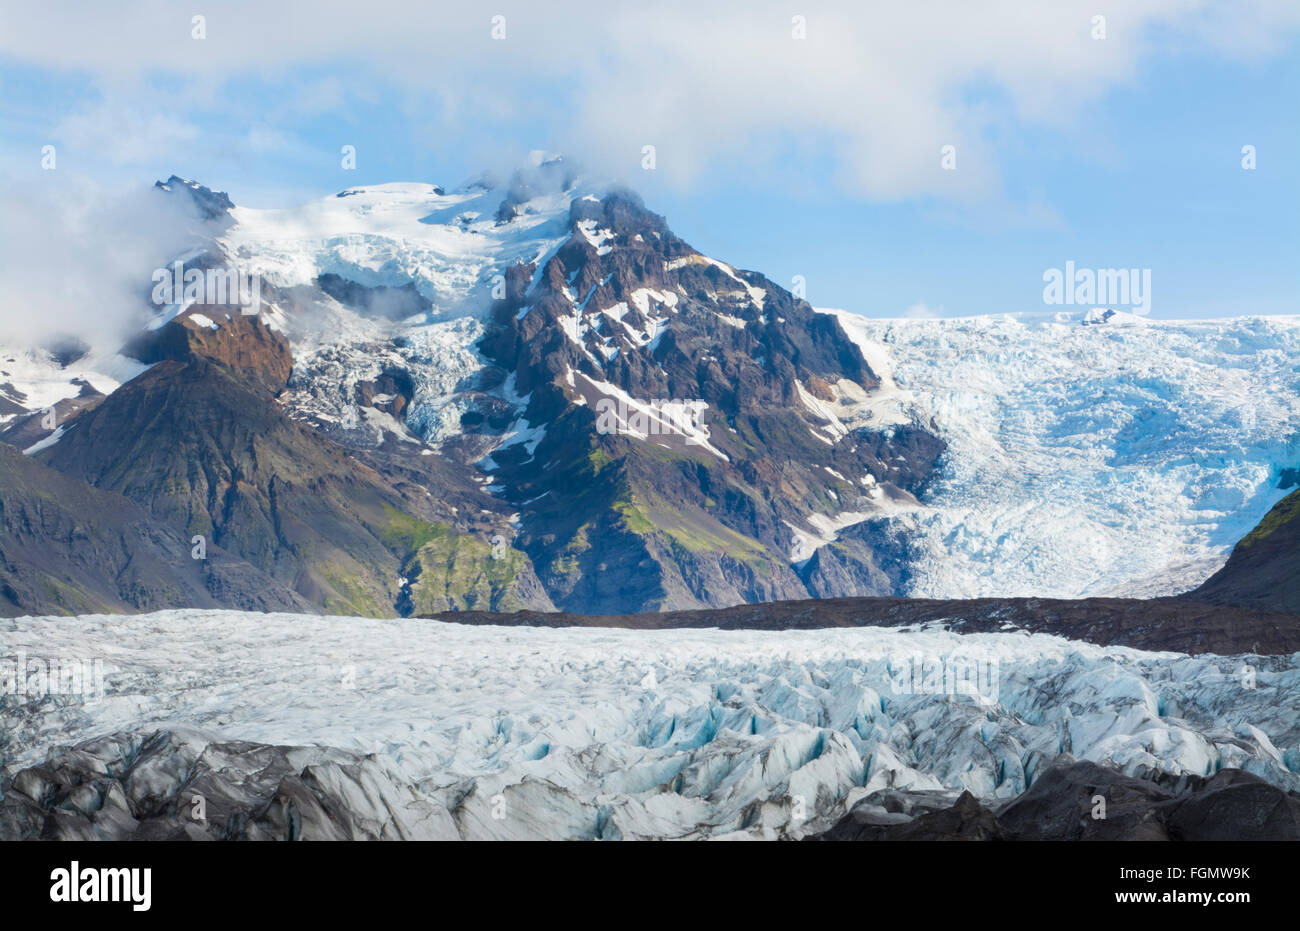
(627, 425)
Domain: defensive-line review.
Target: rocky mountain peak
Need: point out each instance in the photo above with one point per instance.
(244, 344)
(211, 204)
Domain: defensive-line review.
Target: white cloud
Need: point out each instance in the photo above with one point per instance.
(78, 258)
(122, 133)
(922, 311)
(881, 88)
(263, 138)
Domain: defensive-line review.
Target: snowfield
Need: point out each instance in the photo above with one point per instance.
(583, 733)
(1089, 460)
(447, 244)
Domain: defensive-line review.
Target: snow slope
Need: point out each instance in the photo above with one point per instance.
(1090, 460)
(448, 244)
(32, 378)
(616, 733)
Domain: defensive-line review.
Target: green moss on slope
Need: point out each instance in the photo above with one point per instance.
(1285, 511)
(452, 571)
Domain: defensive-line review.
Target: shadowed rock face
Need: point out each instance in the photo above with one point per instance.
(1264, 568)
(211, 205)
(69, 548)
(381, 301)
(1065, 804)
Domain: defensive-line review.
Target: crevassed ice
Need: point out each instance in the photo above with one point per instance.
(1091, 459)
(666, 733)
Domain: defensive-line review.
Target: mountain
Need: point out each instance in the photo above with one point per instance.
(69, 548)
(1264, 569)
(668, 431)
(200, 442)
(685, 424)
(682, 434)
(532, 395)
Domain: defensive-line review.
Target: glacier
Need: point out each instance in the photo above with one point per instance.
(1088, 460)
(602, 733)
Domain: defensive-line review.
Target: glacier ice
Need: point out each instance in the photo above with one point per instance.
(1088, 460)
(587, 732)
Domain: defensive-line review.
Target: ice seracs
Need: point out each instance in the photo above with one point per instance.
(598, 733)
(1088, 460)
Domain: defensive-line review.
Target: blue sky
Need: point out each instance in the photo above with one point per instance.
(817, 158)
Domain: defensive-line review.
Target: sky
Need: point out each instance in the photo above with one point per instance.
(796, 139)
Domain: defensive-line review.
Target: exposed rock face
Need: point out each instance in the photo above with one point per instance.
(390, 392)
(1264, 569)
(66, 547)
(625, 513)
(1066, 803)
(211, 205)
(243, 344)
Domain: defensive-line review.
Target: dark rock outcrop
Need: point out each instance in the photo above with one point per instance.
(181, 784)
(1084, 801)
(1263, 571)
(210, 204)
(68, 548)
(380, 301)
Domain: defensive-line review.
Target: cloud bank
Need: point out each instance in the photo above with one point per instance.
(874, 90)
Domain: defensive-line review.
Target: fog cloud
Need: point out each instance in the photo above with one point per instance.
(78, 258)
